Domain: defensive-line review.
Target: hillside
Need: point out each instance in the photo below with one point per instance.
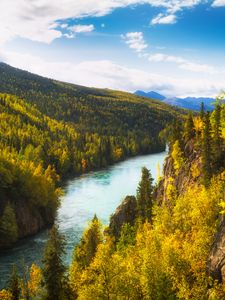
(51, 130)
(165, 242)
(191, 103)
(90, 110)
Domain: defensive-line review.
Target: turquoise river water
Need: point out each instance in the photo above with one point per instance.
(98, 193)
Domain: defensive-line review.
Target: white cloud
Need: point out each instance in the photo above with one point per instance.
(69, 35)
(35, 19)
(82, 28)
(218, 3)
(135, 41)
(172, 7)
(182, 63)
(162, 19)
(63, 26)
(107, 74)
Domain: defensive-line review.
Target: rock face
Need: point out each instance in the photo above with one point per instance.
(185, 177)
(125, 213)
(31, 222)
(216, 261)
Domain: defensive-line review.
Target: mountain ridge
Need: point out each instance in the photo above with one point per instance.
(192, 103)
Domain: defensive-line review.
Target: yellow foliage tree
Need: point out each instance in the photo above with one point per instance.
(177, 156)
(5, 295)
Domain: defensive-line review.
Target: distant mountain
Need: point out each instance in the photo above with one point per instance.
(192, 103)
(152, 95)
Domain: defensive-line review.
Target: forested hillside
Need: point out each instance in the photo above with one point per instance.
(50, 130)
(90, 110)
(165, 242)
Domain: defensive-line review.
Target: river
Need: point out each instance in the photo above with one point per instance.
(98, 193)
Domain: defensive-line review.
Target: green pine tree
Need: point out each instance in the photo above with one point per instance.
(127, 236)
(8, 227)
(14, 284)
(217, 138)
(144, 195)
(189, 128)
(86, 250)
(176, 133)
(202, 111)
(207, 151)
(53, 267)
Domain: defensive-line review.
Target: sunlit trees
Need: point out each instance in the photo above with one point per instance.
(5, 295)
(92, 237)
(158, 258)
(178, 157)
(75, 134)
(34, 281)
(85, 252)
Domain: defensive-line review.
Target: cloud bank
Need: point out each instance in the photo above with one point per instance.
(183, 63)
(108, 74)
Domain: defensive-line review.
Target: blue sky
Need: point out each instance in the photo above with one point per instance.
(175, 47)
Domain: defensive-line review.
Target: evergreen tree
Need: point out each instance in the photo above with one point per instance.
(202, 111)
(14, 284)
(8, 227)
(176, 133)
(207, 151)
(127, 236)
(189, 128)
(92, 237)
(144, 195)
(25, 282)
(53, 267)
(217, 140)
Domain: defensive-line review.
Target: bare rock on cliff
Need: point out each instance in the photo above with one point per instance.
(185, 177)
(216, 261)
(31, 222)
(125, 213)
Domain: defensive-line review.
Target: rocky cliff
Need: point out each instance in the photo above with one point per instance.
(125, 213)
(187, 175)
(216, 261)
(20, 220)
(31, 221)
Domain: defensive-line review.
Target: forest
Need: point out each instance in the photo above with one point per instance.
(161, 249)
(51, 130)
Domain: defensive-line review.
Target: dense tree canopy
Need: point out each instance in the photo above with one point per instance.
(167, 257)
(50, 130)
